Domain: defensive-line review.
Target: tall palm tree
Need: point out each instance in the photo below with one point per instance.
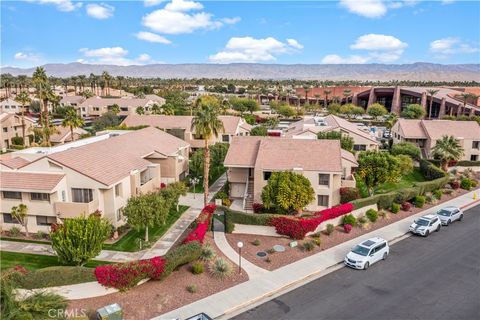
(464, 96)
(431, 92)
(72, 120)
(326, 92)
(23, 99)
(106, 78)
(447, 149)
(81, 81)
(207, 124)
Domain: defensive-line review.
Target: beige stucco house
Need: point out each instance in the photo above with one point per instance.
(96, 106)
(181, 127)
(11, 126)
(309, 127)
(99, 176)
(251, 161)
(64, 134)
(425, 133)
(10, 105)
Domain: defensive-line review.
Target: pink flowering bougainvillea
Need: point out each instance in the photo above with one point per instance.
(203, 222)
(347, 228)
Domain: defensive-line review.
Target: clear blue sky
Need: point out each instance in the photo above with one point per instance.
(35, 32)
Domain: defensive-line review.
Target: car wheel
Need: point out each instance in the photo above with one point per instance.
(438, 228)
(365, 267)
(384, 256)
(427, 233)
(448, 222)
(460, 218)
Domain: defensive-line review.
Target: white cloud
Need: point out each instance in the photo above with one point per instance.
(100, 11)
(248, 49)
(442, 48)
(62, 5)
(26, 56)
(381, 48)
(151, 3)
(336, 59)
(152, 37)
(176, 18)
(444, 2)
(113, 55)
(366, 8)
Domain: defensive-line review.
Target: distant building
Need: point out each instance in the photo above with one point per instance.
(10, 106)
(11, 126)
(181, 127)
(96, 106)
(72, 101)
(251, 161)
(425, 133)
(64, 134)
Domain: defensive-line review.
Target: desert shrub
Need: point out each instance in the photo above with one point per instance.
(197, 268)
(330, 228)
(372, 215)
(382, 213)
(14, 232)
(256, 242)
(362, 220)
(349, 219)
(347, 228)
(207, 253)
(268, 260)
(437, 194)
(227, 202)
(41, 235)
(466, 184)
(419, 201)
(270, 251)
(308, 245)
(221, 268)
(455, 185)
(348, 194)
(406, 206)
(447, 191)
(395, 208)
(192, 288)
(317, 241)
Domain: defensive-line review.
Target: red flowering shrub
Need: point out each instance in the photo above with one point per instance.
(455, 185)
(348, 194)
(203, 222)
(162, 185)
(20, 269)
(123, 276)
(347, 228)
(297, 228)
(406, 206)
(257, 207)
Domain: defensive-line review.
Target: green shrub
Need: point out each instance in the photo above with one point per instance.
(428, 186)
(349, 219)
(372, 215)
(419, 201)
(221, 268)
(221, 195)
(348, 194)
(430, 171)
(466, 184)
(207, 253)
(197, 268)
(395, 208)
(330, 228)
(14, 232)
(192, 288)
(308, 245)
(360, 203)
(248, 218)
(256, 242)
(17, 140)
(41, 235)
(385, 200)
(180, 256)
(467, 163)
(406, 148)
(229, 226)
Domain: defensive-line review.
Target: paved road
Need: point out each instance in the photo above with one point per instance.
(424, 278)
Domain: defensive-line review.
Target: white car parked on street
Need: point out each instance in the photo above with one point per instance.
(367, 253)
(449, 214)
(425, 225)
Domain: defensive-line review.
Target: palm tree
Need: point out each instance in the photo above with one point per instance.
(114, 108)
(72, 120)
(326, 92)
(346, 94)
(431, 92)
(156, 109)
(106, 78)
(207, 124)
(81, 80)
(447, 149)
(23, 99)
(464, 96)
(140, 110)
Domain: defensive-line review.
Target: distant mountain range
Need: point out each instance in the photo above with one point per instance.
(373, 72)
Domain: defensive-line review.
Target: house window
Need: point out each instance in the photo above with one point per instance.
(39, 196)
(118, 190)
(12, 195)
(82, 195)
(96, 109)
(322, 201)
(359, 147)
(267, 175)
(5, 129)
(64, 198)
(124, 109)
(476, 144)
(225, 138)
(323, 179)
(8, 218)
(45, 220)
(119, 214)
(474, 157)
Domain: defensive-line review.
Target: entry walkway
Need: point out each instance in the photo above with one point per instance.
(303, 271)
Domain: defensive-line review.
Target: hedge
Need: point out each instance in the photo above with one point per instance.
(180, 256)
(467, 163)
(262, 219)
(430, 171)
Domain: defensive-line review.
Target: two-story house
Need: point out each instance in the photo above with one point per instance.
(11, 126)
(251, 161)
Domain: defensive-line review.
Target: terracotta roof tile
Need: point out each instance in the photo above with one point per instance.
(18, 180)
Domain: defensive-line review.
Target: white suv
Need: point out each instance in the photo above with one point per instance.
(425, 225)
(367, 253)
(449, 214)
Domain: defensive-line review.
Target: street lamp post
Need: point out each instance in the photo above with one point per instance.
(194, 181)
(240, 245)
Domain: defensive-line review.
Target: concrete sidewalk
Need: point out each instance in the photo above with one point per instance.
(303, 271)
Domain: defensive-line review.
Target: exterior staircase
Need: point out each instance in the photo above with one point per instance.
(249, 200)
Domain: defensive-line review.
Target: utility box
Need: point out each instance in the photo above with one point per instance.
(200, 316)
(110, 312)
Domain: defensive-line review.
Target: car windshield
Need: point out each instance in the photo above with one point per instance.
(422, 222)
(444, 213)
(360, 250)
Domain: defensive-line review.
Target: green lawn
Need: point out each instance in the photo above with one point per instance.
(405, 182)
(35, 261)
(129, 241)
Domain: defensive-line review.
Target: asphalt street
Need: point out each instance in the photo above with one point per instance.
(423, 278)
